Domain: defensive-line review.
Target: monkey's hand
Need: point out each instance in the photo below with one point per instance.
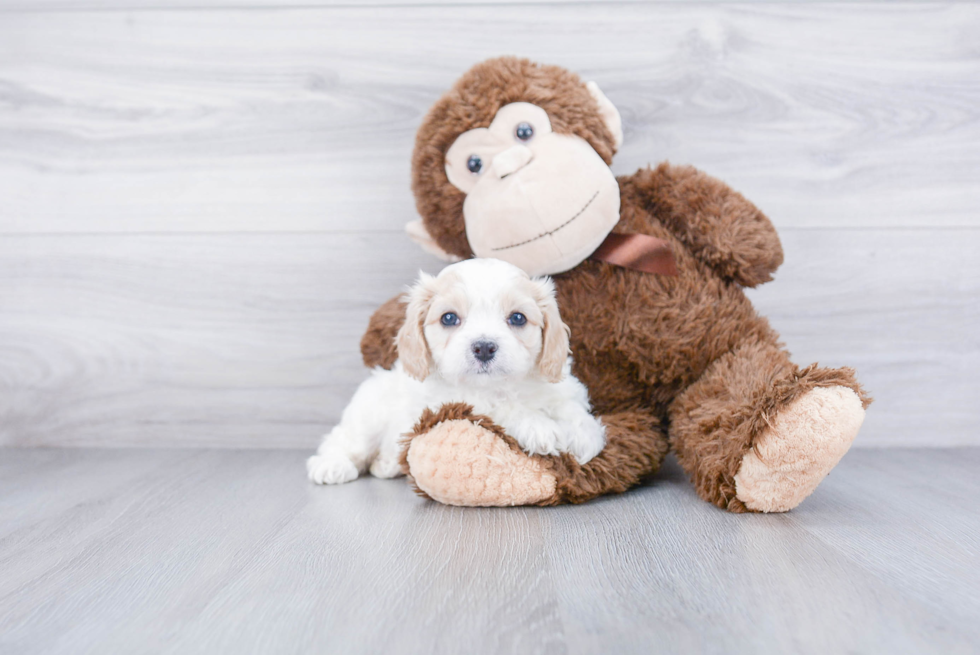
(458, 457)
(721, 227)
(378, 343)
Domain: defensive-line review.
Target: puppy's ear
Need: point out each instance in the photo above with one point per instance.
(413, 351)
(554, 347)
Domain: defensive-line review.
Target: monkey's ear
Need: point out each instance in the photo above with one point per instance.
(609, 113)
(416, 232)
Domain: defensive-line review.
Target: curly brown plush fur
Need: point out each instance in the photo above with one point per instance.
(683, 360)
(378, 343)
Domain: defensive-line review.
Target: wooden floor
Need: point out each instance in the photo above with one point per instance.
(219, 551)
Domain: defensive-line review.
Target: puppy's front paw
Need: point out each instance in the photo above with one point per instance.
(585, 439)
(332, 468)
(386, 467)
(537, 435)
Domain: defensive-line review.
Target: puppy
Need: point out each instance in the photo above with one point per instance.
(481, 332)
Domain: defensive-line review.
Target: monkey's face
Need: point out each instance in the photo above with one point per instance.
(537, 199)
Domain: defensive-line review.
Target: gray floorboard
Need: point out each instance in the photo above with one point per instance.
(219, 551)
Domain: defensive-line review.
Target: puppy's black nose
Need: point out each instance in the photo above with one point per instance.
(484, 350)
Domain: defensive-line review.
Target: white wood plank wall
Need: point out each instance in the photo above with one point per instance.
(200, 206)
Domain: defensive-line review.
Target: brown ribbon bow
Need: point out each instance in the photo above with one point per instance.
(641, 252)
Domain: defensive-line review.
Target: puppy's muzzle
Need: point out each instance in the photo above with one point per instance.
(484, 350)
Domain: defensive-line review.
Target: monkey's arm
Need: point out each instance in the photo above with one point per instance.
(721, 227)
(378, 343)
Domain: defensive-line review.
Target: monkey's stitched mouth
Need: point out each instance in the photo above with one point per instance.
(550, 232)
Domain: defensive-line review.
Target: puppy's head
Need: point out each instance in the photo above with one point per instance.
(483, 320)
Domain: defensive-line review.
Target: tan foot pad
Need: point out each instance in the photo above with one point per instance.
(460, 463)
(801, 446)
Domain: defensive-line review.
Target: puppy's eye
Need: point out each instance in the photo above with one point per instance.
(517, 319)
(524, 131)
(449, 319)
(474, 164)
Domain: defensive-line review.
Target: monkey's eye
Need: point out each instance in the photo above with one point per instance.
(517, 319)
(449, 319)
(524, 131)
(474, 163)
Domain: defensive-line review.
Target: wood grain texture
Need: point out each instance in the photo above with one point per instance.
(303, 119)
(221, 340)
(200, 208)
(252, 340)
(20, 6)
(200, 551)
(900, 306)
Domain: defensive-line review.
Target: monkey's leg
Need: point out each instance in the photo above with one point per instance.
(458, 458)
(757, 433)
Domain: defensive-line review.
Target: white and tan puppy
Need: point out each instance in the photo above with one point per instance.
(481, 332)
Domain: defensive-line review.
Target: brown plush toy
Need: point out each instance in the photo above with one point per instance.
(513, 163)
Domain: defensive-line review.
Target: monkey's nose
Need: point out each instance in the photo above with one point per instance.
(511, 160)
(484, 350)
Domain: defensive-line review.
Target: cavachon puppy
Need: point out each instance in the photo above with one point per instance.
(484, 333)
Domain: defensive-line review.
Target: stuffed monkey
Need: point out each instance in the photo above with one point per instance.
(513, 163)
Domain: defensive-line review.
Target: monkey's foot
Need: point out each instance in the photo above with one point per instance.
(457, 458)
(798, 450)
